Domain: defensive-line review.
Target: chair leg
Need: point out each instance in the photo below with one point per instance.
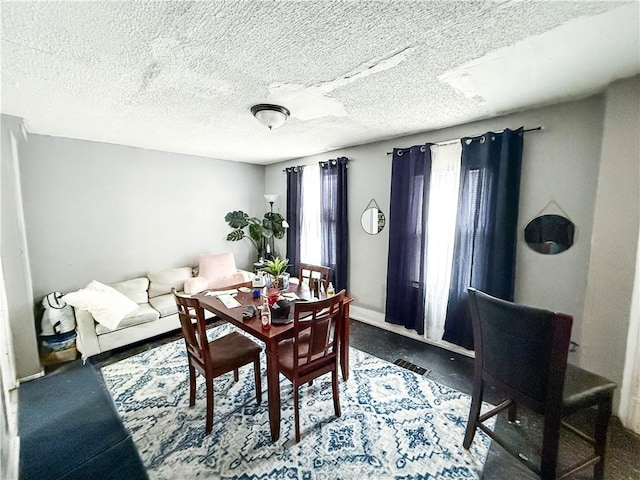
(474, 413)
(257, 379)
(550, 442)
(600, 435)
(235, 375)
(512, 412)
(296, 412)
(336, 396)
(192, 386)
(209, 424)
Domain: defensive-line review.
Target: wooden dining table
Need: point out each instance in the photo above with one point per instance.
(272, 337)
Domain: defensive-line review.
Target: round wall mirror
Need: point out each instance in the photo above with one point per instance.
(372, 219)
(549, 234)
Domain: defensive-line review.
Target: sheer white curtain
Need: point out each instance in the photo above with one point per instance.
(441, 222)
(310, 234)
(630, 391)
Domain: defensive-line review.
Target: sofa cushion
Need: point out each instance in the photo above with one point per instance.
(162, 281)
(143, 314)
(107, 305)
(165, 304)
(135, 289)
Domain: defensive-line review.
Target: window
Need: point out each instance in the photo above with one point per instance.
(441, 223)
(311, 235)
(321, 206)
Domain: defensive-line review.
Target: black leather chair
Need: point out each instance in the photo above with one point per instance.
(522, 351)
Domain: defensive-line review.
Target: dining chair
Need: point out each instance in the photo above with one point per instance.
(522, 352)
(313, 349)
(315, 276)
(213, 358)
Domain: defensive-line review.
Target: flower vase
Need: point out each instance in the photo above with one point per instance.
(283, 280)
(272, 295)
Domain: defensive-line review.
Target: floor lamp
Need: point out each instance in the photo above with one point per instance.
(271, 198)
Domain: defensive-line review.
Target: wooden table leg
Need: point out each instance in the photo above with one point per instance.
(344, 344)
(273, 389)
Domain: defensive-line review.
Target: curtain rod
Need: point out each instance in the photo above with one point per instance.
(320, 163)
(454, 140)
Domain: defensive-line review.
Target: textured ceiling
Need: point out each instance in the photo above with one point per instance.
(181, 76)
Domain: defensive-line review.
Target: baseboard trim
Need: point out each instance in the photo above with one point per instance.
(376, 319)
(31, 377)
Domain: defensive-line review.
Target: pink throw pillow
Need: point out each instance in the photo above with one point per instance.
(214, 267)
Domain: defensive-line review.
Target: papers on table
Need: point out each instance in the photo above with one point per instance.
(221, 292)
(228, 301)
(291, 296)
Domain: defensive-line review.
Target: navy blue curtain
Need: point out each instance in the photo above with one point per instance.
(484, 254)
(410, 175)
(294, 217)
(334, 220)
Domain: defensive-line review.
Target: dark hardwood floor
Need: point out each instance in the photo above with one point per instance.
(456, 371)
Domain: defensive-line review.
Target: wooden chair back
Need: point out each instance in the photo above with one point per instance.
(315, 276)
(313, 350)
(316, 327)
(212, 359)
(194, 330)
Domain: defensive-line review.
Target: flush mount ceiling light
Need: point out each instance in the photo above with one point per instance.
(271, 116)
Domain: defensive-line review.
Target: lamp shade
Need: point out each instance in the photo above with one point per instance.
(269, 115)
(271, 198)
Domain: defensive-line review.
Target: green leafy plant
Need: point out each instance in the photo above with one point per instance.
(276, 266)
(277, 269)
(258, 230)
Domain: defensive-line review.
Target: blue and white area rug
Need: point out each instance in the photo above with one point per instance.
(395, 423)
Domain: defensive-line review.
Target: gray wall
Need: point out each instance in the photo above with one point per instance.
(561, 166)
(560, 163)
(109, 212)
(106, 212)
(613, 253)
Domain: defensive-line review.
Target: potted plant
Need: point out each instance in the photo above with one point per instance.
(261, 232)
(277, 274)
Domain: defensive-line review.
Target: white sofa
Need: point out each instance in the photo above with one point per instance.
(156, 313)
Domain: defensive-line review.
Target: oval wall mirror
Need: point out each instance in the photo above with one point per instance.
(372, 219)
(549, 234)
